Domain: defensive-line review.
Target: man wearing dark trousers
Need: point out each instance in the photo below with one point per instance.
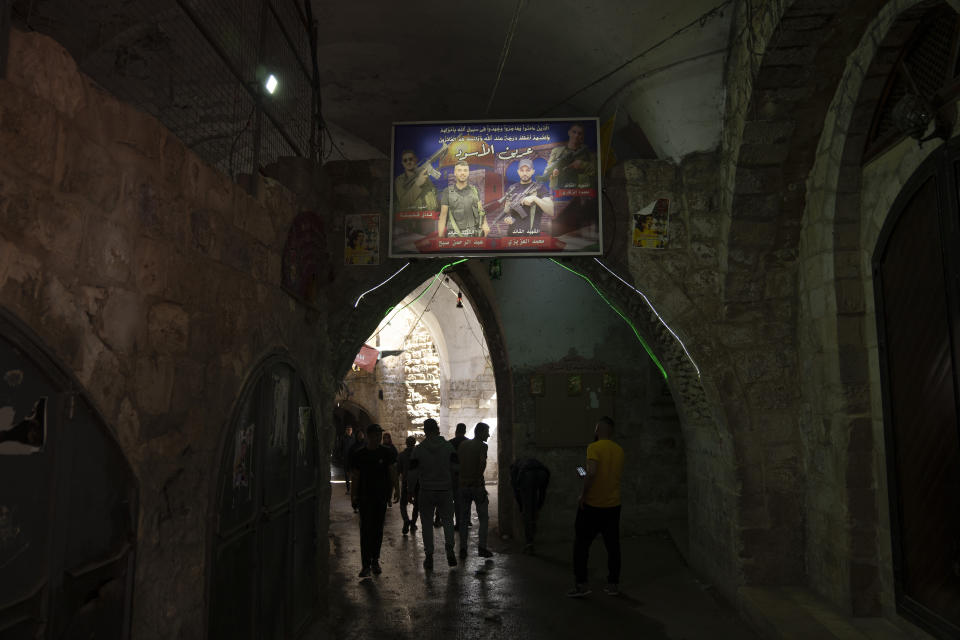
(459, 435)
(529, 478)
(346, 446)
(374, 481)
(408, 495)
(599, 510)
(431, 464)
(472, 456)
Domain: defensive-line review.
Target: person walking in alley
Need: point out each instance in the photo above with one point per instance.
(374, 480)
(359, 442)
(346, 445)
(598, 509)
(431, 464)
(472, 456)
(408, 494)
(529, 478)
(459, 437)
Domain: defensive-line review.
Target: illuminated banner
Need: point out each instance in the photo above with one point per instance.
(506, 187)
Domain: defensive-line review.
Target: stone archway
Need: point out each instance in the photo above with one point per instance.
(789, 99)
(845, 210)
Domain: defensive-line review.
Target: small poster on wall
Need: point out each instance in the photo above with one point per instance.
(650, 225)
(362, 236)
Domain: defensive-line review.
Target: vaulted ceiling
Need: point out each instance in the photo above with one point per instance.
(657, 65)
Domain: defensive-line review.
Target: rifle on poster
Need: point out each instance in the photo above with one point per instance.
(514, 206)
(427, 165)
(560, 164)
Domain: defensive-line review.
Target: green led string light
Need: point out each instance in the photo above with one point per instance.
(625, 318)
(436, 278)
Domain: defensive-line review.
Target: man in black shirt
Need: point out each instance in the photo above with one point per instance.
(346, 445)
(529, 478)
(459, 436)
(374, 470)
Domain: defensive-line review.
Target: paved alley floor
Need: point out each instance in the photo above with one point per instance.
(511, 596)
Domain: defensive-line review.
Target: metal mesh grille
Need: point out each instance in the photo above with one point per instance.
(928, 60)
(197, 65)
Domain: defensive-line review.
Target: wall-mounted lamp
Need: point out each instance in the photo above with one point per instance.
(912, 116)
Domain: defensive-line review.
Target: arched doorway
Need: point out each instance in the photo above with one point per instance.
(264, 577)
(68, 503)
(916, 265)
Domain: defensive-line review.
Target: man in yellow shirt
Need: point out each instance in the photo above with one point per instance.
(599, 509)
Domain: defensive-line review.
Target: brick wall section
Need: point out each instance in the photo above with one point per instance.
(147, 274)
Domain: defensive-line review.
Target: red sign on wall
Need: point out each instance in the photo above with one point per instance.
(367, 358)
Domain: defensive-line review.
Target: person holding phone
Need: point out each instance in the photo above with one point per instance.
(598, 509)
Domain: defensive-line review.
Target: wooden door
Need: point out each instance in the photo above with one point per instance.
(915, 278)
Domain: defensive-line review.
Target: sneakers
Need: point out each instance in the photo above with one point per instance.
(428, 562)
(365, 572)
(579, 591)
(413, 526)
(375, 566)
(406, 528)
(612, 589)
(463, 553)
(451, 557)
(483, 552)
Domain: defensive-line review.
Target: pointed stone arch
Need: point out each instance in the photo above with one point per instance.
(843, 219)
(784, 102)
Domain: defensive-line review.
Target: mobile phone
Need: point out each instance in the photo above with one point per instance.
(581, 471)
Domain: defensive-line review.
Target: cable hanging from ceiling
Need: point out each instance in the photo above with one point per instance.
(698, 21)
(505, 51)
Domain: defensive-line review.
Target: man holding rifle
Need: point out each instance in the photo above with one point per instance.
(414, 190)
(572, 165)
(526, 202)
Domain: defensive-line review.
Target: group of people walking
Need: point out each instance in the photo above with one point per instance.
(441, 479)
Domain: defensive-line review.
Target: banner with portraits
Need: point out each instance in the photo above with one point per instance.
(505, 188)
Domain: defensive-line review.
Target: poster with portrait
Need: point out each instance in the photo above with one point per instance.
(651, 225)
(362, 239)
(507, 188)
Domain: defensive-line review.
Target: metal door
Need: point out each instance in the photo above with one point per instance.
(68, 504)
(264, 577)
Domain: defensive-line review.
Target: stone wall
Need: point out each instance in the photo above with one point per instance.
(155, 280)
(683, 282)
(567, 317)
(421, 380)
(470, 402)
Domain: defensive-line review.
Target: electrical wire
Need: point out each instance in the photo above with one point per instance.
(483, 349)
(511, 31)
(417, 322)
(379, 285)
(427, 288)
(700, 20)
(655, 312)
(643, 342)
